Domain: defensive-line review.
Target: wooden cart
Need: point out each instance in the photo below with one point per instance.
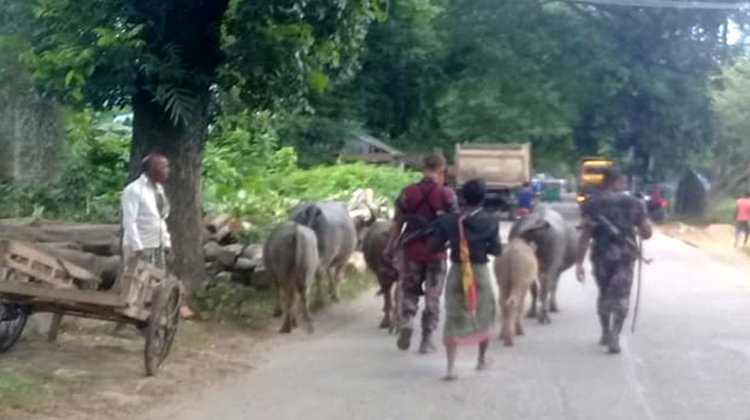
(34, 281)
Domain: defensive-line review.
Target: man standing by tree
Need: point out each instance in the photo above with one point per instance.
(742, 219)
(423, 271)
(613, 220)
(145, 209)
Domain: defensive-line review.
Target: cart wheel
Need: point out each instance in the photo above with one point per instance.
(12, 322)
(162, 326)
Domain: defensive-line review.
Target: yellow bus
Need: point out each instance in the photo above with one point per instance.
(590, 175)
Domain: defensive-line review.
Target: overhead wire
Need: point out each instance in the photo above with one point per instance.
(668, 4)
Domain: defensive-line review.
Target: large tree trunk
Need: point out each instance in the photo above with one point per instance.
(199, 51)
(153, 131)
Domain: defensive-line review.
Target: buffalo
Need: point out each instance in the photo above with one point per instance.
(336, 234)
(291, 256)
(373, 247)
(556, 243)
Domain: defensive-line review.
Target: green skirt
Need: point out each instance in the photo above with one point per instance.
(460, 326)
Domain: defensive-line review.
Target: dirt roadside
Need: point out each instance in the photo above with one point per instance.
(716, 240)
(91, 375)
(88, 374)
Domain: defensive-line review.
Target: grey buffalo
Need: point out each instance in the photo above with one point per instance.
(290, 254)
(373, 246)
(556, 243)
(336, 234)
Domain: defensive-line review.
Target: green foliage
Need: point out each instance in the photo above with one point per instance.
(248, 175)
(94, 176)
(731, 105)
(276, 53)
(339, 181)
(221, 300)
(25, 389)
(232, 301)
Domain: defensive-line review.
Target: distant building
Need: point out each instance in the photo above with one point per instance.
(368, 149)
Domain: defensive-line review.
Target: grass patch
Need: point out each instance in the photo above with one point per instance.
(357, 283)
(25, 389)
(720, 213)
(226, 301)
(724, 211)
(192, 335)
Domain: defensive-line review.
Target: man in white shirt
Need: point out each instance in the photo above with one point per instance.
(145, 209)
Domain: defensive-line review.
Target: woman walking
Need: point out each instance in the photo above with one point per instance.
(469, 301)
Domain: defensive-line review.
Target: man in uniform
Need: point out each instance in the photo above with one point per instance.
(612, 219)
(423, 271)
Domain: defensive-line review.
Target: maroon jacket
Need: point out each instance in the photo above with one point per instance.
(419, 205)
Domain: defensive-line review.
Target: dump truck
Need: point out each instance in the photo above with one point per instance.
(504, 167)
(591, 175)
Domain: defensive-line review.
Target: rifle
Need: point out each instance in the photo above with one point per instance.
(620, 235)
(639, 277)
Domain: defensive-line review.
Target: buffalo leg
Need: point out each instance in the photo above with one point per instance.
(304, 308)
(532, 308)
(277, 312)
(543, 314)
(387, 304)
(286, 327)
(396, 309)
(519, 314)
(319, 284)
(335, 280)
(507, 309)
(553, 294)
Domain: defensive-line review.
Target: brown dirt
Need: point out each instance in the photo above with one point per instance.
(103, 377)
(112, 384)
(716, 240)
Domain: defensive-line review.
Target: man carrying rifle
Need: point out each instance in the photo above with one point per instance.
(422, 271)
(614, 221)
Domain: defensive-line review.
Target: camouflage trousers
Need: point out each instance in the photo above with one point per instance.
(615, 280)
(419, 279)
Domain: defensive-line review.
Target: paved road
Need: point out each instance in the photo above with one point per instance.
(690, 359)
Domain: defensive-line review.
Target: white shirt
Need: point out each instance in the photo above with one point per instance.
(143, 226)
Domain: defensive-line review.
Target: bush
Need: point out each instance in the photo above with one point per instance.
(724, 211)
(247, 174)
(90, 185)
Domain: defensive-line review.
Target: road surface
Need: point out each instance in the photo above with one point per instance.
(690, 359)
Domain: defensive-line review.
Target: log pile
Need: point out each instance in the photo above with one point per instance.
(97, 248)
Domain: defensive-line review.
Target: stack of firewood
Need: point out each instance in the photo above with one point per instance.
(97, 248)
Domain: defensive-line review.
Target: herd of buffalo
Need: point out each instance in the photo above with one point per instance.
(320, 238)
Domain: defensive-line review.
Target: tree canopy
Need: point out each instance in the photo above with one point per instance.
(574, 79)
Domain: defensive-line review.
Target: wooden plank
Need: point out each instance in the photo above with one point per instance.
(66, 266)
(42, 276)
(54, 328)
(46, 294)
